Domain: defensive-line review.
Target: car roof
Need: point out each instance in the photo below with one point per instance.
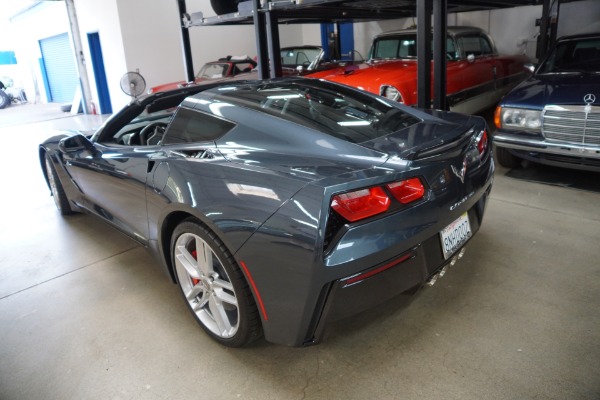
(590, 35)
(452, 30)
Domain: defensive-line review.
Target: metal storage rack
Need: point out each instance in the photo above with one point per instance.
(266, 15)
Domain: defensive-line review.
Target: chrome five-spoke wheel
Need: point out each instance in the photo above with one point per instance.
(213, 286)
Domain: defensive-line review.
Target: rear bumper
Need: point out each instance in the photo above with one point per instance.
(406, 272)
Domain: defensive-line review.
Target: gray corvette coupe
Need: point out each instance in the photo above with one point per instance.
(280, 205)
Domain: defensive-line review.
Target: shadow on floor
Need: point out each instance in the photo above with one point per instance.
(564, 177)
(27, 113)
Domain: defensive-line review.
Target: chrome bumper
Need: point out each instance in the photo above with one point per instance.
(516, 142)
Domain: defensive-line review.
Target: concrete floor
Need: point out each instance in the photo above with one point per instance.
(85, 312)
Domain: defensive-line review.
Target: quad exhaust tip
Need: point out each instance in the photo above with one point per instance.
(431, 281)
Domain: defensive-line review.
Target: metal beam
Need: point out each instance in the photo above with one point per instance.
(84, 82)
(543, 43)
(274, 47)
(424, 53)
(185, 43)
(440, 25)
(260, 30)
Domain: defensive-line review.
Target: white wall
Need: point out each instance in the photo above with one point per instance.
(26, 40)
(579, 17)
(104, 21)
(513, 29)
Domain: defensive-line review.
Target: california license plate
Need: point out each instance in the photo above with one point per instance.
(455, 235)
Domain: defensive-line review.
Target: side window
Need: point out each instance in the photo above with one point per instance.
(470, 45)
(191, 126)
(486, 46)
(408, 48)
(386, 48)
(451, 50)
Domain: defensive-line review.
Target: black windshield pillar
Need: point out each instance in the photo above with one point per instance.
(424, 53)
(440, 25)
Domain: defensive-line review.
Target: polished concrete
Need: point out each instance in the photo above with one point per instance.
(85, 313)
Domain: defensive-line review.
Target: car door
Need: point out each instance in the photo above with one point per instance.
(113, 181)
(476, 70)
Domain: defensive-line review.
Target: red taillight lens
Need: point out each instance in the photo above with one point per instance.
(361, 204)
(407, 191)
(483, 142)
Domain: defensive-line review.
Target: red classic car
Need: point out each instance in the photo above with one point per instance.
(223, 68)
(477, 77)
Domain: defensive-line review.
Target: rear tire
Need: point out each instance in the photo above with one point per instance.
(4, 99)
(506, 159)
(56, 189)
(214, 287)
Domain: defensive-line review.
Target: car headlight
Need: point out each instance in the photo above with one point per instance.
(518, 118)
(390, 92)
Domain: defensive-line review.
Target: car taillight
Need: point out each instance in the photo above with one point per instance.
(482, 144)
(365, 203)
(361, 204)
(407, 191)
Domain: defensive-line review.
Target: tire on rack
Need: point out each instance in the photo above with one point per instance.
(506, 158)
(224, 6)
(4, 99)
(213, 286)
(56, 188)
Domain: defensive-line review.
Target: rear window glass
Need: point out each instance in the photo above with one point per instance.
(190, 126)
(338, 111)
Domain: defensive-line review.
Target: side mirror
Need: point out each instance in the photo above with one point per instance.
(299, 69)
(530, 67)
(471, 58)
(75, 144)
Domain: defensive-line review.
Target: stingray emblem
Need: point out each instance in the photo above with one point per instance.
(589, 98)
(460, 173)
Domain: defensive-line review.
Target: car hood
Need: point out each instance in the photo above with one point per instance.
(370, 77)
(558, 89)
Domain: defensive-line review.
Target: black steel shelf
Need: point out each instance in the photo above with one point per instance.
(316, 11)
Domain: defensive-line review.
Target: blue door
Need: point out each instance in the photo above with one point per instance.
(99, 73)
(346, 40)
(59, 67)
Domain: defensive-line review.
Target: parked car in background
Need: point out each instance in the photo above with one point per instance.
(554, 116)
(302, 60)
(477, 76)
(227, 67)
(298, 59)
(278, 206)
